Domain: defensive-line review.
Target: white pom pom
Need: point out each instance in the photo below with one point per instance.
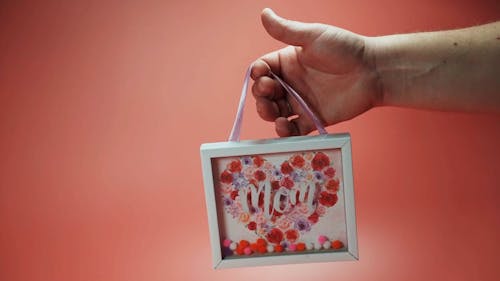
(309, 246)
(233, 246)
(327, 245)
(270, 248)
(317, 246)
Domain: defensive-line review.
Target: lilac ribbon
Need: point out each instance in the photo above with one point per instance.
(235, 132)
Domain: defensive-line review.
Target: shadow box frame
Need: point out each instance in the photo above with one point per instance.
(211, 151)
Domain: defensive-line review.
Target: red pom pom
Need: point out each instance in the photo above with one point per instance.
(261, 242)
(254, 247)
(240, 250)
(262, 249)
(301, 246)
(337, 244)
(244, 243)
(278, 248)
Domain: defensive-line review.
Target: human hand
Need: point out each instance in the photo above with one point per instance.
(332, 69)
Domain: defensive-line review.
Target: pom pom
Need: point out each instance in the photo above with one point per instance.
(292, 247)
(337, 244)
(301, 247)
(254, 247)
(327, 245)
(247, 251)
(233, 246)
(239, 251)
(309, 246)
(244, 243)
(270, 248)
(317, 246)
(278, 248)
(322, 239)
(261, 242)
(262, 249)
(226, 243)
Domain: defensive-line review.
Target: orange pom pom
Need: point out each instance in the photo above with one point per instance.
(244, 243)
(337, 244)
(301, 246)
(254, 247)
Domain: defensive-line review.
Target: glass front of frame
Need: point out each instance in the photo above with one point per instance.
(280, 203)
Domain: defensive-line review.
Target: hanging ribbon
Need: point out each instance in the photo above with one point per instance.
(235, 132)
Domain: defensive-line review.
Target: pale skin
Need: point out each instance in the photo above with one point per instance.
(341, 74)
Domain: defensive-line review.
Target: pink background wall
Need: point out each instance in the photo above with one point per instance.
(103, 106)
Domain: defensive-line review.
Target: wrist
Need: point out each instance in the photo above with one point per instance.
(372, 59)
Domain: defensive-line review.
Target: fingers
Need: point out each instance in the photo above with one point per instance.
(295, 127)
(288, 31)
(267, 109)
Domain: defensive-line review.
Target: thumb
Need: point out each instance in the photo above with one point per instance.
(288, 31)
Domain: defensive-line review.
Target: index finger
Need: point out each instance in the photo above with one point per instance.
(264, 64)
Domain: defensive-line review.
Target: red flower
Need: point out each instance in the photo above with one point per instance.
(252, 225)
(226, 177)
(235, 166)
(275, 185)
(333, 185)
(291, 235)
(234, 193)
(287, 182)
(313, 218)
(328, 199)
(320, 161)
(330, 172)
(274, 236)
(258, 161)
(259, 175)
(286, 168)
(298, 161)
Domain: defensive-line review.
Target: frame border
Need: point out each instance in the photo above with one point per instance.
(209, 151)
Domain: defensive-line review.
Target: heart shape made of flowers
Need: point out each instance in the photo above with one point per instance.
(305, 184)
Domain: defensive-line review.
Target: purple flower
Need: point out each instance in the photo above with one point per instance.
(227, 201)
(297, 175)
(239, 180)
(318, 176)
(302, 225)
(247, 160)
(277, 174)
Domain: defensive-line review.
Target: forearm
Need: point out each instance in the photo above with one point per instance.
(445, 70)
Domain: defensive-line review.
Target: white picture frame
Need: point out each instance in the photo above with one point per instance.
(210, 152)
